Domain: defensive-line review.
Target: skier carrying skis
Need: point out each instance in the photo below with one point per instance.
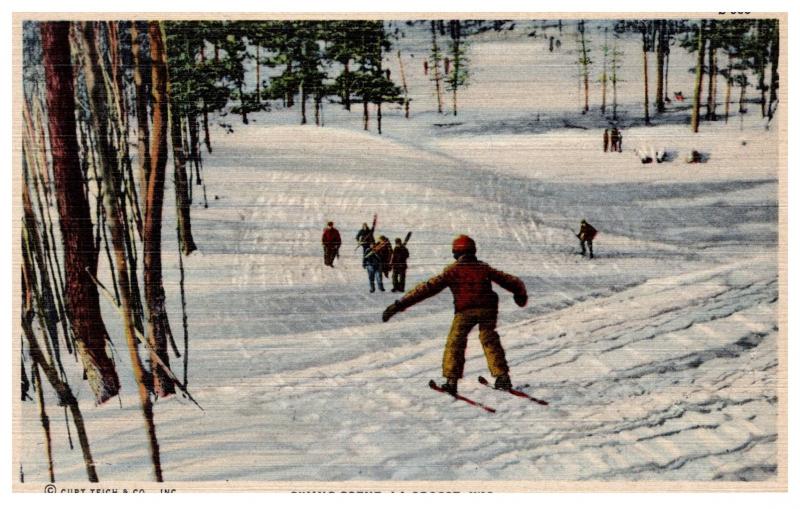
(399, 266)
(384, 250)
(475, 303)
(374, 266)
(365, 238)
(586, 235)
(331, 240)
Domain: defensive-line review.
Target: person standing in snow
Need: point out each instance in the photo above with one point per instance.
(365, 238)
(384, 251)
(470, 281)
(331, 240)
(605, 140)
(586, 236)
(399, 265)
(615, 138)
(374, 266)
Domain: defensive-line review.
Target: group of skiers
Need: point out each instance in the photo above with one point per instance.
(470, 281)
(379, 258)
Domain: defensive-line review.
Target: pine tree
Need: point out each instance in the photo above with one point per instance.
(436, 59)
(459, 72)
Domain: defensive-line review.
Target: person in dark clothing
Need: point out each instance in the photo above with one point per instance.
(331, 240)
(470, 281)
(586, 235)
(374, 266)
(605, 140)
(399, 265)
(616, 140)
(384, 250)
(365, 238)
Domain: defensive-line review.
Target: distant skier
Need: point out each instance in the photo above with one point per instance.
(605, 140)
(399, 266)
(586, 235)
(616, 140)
(374, 266)
(365, 238)
(331, 241)
(470, 281)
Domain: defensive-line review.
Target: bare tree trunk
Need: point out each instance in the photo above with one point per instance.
(660, 50)
(303, 97)
(258, 74)
(729, 82)
(614, 81)
(366, 114)
(774, 55)
(289, 99)
(405, 84)
(711, 101)
(111, 184)
(698, 77)
(346, 91)
(207, 138)
(604, 77)
(646, 94)
(65, 395)
(437, 76)
(158, 329)
(761, 64)
(584, 66)
(455, 28)
(80, 257)
(242, 102)
(666, 75)
(48, 444)
(38, 358)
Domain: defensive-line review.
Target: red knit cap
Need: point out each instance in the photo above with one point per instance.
(464, 245)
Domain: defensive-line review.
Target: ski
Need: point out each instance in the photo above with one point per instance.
(515, 392)
(433, 385)
(408, 237)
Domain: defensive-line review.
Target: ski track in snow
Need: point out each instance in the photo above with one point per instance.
(658, 357)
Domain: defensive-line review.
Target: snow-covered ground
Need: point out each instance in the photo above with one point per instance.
(658, 357)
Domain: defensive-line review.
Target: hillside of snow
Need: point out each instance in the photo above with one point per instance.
(658, 357)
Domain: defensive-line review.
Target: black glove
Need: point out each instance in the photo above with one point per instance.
(521, 299)
(390, 311)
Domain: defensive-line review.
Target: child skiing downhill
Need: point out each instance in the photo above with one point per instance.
(475, 303)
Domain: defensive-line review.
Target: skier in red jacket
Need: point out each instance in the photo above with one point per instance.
(331, 240)
(475, 303)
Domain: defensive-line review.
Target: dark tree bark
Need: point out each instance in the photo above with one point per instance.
(646, 91)
(660, 53)
(774, 55)
(711, 100)
(207, 138)
(437, 76)
(698, 77)
(346, 91)
(80, 256)
(158, 323)
(181, 182)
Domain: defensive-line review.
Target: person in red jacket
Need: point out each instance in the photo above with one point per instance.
(470, 280)
(331, 240)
